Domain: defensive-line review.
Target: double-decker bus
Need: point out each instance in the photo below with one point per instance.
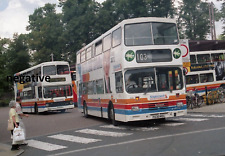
(45, 87)
(133, 72)
(211, 65)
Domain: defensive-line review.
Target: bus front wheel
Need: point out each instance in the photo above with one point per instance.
(85, 110)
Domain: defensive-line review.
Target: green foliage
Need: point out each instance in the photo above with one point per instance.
(45, 36)
(193, 19)
(4, 44)
(222, 13)
(14, 57)
(86, 20)
(79, 18)
(17, 56)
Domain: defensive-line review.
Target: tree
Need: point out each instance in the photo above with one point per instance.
(79, 18)
(18, 54)
(45, 37)
(222, 13)
(4, 85)
(193, 19)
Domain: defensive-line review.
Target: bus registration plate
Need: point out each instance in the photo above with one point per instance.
(156, 116)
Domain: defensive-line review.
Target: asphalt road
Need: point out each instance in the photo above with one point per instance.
(46, 123)
(199, 134)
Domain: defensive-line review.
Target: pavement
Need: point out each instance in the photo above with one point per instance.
(214, 108)
(5, 150)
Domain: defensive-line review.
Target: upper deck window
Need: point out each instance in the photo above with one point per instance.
(107, 42)
(62, 69)
(116, 37)
(164, 33)
(98, 47)
(52, 70)
(139, 34)
(49, 70)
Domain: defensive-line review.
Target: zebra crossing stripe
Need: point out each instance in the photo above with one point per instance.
(173, 124)
(44, 145)
(113, 127)
(206, 116)
(72, 138)
(103, 133)
(190, 119)
(131, 129)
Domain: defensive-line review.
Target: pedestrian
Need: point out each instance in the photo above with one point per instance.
(13, 116)
(21, 115)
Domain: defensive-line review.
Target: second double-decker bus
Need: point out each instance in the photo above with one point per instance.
(211, 63)
(133, 72)
(45, 87)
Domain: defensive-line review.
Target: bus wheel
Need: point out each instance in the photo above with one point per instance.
(112, 115)
(63, 110)
(85, 110)
(35, 108)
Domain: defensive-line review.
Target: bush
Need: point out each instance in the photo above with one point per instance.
(4, 102)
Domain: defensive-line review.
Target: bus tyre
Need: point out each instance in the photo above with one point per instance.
(36, 108)
(63, 110)
(112, 115)
(85, 110)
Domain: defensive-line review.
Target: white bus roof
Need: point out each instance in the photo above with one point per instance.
(207, 52)
(44, 64)
(130, 21)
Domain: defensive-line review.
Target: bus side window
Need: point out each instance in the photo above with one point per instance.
(119, 82)
(40, 92)
(98, 47)
(107, 43)
(116, 37)
(100, 86)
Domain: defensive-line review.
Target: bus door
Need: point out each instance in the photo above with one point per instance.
(36, 94)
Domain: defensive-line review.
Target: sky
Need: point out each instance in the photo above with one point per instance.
(14, 15)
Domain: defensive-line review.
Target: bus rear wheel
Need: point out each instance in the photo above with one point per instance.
(112, 115)
(85, 110)
(36, 108)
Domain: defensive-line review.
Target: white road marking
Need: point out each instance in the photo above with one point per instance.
(189, 119)
(72, 138)
(44, 145)
(131, 129)
(173, 124)
(113, 127)
(139, 140)
(103, 133)
(144, 129)
(206, 116)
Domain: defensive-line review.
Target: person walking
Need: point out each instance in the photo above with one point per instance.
(13, 116)
(21, 115)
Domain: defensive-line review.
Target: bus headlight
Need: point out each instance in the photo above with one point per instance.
(135, 108)
(180, 104)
